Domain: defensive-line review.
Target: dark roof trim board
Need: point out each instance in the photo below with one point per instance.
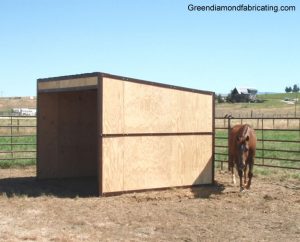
(101, 74)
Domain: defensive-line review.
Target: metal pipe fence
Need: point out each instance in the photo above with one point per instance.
(17, 140)
(278, 141)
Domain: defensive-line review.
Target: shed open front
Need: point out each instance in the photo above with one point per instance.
(132, 135)
(67, 123)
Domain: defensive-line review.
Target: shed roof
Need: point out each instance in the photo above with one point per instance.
(92, 83)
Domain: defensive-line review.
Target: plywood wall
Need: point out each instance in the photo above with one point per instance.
(151, 109)
(67, 137)
(155, 137)
(146, 162)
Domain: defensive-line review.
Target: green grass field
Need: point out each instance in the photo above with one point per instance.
(17, 155)
(278, 96)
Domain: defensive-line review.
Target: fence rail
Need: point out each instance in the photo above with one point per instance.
(278, 139)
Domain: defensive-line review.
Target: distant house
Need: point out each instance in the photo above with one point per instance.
(243, 94)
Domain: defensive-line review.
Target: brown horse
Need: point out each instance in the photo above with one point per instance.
(242, 146)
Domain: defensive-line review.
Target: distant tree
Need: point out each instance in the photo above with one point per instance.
(296, 88)
(220, 99)
(288, 89)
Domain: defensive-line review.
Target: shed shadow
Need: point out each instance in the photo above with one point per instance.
(62, 188)
(207, 190)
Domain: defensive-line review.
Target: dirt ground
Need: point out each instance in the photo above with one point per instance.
(67, 211)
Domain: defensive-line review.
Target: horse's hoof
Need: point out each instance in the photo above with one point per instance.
(247, 186)
(242, 189)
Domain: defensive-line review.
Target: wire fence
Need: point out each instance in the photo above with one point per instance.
(278, 141)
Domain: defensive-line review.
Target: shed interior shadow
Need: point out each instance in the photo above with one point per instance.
(67, 143)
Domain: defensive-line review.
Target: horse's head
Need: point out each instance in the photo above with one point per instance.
(243, 150)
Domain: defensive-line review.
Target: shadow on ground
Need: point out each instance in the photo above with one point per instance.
(71, 188)
(31, 187)
(206, 191)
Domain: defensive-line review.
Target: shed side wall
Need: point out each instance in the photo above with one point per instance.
(155, 137)
(150, 109)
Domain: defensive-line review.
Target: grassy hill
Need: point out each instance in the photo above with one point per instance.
(278, 96)
(271, 106)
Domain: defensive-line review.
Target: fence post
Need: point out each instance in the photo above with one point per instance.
(262, 140)
(18, 124)
(11, 137)
(228, 132)
(299, 127)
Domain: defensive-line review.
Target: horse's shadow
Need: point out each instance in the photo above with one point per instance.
(31, 187)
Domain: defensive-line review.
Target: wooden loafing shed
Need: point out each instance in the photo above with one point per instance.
(131, 134)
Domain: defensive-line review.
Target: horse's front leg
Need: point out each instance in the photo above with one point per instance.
(250, 173)
(231, 168)
(240, 171)
(245, 175)
(233, 175)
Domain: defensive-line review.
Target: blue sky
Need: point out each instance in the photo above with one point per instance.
(152, 40)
